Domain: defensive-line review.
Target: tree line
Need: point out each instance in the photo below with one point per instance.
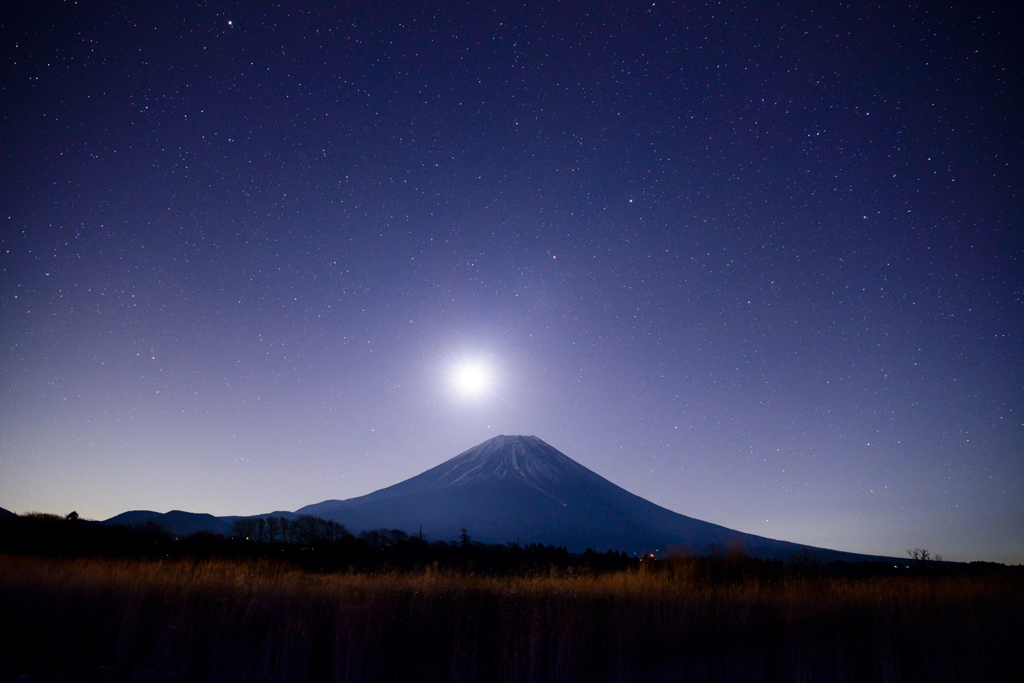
(303, 530)
(308, 542)
(317, 544)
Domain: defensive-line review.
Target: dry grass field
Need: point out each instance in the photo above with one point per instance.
(70, 619)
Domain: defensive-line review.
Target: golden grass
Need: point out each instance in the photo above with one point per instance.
(259, 621)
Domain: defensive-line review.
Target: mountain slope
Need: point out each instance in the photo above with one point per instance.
(518, 487)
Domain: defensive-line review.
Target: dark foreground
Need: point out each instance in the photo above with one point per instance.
(227, 620)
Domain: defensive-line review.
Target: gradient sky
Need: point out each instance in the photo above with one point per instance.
(760, 264)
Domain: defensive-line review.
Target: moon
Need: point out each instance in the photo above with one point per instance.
(472, 378)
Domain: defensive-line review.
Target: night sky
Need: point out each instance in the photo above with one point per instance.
(760, 264)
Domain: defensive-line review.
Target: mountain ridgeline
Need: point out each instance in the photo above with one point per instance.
(519, 488)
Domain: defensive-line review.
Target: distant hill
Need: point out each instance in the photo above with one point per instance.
(177, 522)
(517, 488)
(6, 513)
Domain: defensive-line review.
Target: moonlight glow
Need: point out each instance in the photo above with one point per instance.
(591, 227)
(472, 378)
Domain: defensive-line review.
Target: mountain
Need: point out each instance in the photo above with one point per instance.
(6, 513)
(519, 488)
(177, 522)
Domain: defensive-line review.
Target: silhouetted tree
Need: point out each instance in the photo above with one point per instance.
(923, 555)
(244, 528)
(805, 562)
(331, 532)
(273, 529)
(920, 554)
(372, 538)
(307, 530)
(382, 538)
(323, 533)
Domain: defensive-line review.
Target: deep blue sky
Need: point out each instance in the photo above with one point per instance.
(758, 264)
